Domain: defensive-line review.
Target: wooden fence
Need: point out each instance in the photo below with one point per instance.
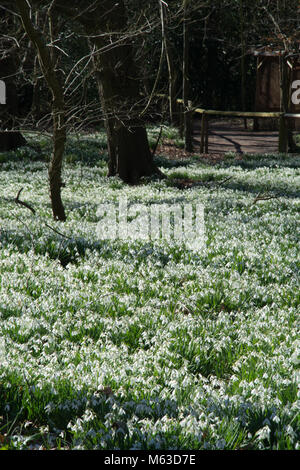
(282, 135)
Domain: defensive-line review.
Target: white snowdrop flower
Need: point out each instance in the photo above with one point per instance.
(71, 302)
(290, 431)
(88, 415)
(263, 433)
(276, 419)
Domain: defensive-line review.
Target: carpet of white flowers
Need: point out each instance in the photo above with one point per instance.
(115, 344)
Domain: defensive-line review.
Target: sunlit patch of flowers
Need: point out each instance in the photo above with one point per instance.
(125, 344)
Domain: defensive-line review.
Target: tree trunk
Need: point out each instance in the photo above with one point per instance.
(55, 167)
(134, 157)
(118, 84)
(47, 64)
(243, 59)
(108, 120)
(187, 117)
(172, 74)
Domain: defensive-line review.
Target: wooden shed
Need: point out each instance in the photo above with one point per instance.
(267, 96)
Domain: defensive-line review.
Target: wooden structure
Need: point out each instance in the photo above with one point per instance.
(9, 108)
(268, 86)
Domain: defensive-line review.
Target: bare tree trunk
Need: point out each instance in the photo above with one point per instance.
(187, 117)
(55, 168)
(108, 120)
(130, 156)
(112, 151)
(172, 75)
(36, 92)
(243, 56)
(47, 65)
(118, 83)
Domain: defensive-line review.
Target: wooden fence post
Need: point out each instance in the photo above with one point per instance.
(188, 127)
(203, 125)
(206, 134)
(283, 135)
(181, 119)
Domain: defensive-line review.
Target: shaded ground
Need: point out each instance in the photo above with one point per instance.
(228, 135)
(231, 136)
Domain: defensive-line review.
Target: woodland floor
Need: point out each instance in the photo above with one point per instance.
(231, 136)
(110, 340)
(225, 136)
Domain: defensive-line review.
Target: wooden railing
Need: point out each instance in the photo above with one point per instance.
(282, 137)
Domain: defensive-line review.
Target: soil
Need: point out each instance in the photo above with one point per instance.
(225, 136)
(230, 135)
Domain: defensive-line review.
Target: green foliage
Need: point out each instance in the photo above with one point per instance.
(130, 344)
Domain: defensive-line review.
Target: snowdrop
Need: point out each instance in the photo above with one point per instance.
(183, 340)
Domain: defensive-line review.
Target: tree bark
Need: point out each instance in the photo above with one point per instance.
(130, 156)
(172, 74)
(118, 81)
(187, 117)
(243, 59)
(58, 114)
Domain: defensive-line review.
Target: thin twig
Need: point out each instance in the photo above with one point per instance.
(56, 231)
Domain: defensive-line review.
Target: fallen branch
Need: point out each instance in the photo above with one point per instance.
(263, 197)
(223, 181)
(187, 184)
(25, 204)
